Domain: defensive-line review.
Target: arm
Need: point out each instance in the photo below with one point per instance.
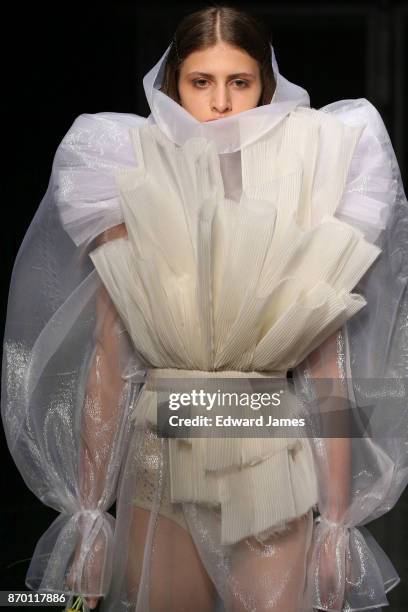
(325, 362)
(63, 406)
(333, 466)
(118, 231)
(100, 420)
(347, 567)
(103, 390)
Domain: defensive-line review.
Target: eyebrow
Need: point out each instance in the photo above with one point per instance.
(230, 76)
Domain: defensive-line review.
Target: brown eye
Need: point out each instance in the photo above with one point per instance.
(241, 84)
(198, 81)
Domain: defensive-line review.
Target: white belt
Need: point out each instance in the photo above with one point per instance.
(153, 373)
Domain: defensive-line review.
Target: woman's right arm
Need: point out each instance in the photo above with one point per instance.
(102, 401)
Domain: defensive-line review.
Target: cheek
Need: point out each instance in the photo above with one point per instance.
(250, 98)
(194, 101)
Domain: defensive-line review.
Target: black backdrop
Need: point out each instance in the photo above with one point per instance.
(67, 59)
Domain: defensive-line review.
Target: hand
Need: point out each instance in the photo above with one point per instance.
(332, 581)
(91, 602)
(91, 573)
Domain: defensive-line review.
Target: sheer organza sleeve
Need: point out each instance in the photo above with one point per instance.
(372, 183)
(94, 149)
(103, 431)
(70, 371)
(354, 387)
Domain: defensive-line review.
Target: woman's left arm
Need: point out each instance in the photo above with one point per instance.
(326, 362)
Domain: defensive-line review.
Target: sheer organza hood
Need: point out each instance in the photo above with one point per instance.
(229, 133)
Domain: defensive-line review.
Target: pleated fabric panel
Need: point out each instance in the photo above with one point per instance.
(206, 283)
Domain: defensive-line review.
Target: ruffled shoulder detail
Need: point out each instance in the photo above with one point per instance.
(372, 182)
(94, 149)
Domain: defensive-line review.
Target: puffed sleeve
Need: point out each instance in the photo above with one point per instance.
(350, 382)
(93, 150)
(68, 368)
(372, 182)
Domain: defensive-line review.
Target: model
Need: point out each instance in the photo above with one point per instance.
(236, 237)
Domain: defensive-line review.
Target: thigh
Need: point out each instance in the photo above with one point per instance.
(270, 575)
(177, 579)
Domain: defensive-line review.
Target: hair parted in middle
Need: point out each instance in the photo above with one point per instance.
(220, 23)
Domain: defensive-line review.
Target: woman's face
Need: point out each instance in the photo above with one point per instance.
(218, 82)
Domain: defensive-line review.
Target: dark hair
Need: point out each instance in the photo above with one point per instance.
(208, 26)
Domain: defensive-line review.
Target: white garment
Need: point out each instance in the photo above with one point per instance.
(98, 146)
(273, 274)
(326, 180)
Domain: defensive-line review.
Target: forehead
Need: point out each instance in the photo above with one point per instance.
(220, 59)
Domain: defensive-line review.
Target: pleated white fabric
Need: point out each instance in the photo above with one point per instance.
(206, 283)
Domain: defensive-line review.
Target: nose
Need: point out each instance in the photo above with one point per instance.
(221, 102)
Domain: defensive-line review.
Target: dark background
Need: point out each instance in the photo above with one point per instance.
(67, 59)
